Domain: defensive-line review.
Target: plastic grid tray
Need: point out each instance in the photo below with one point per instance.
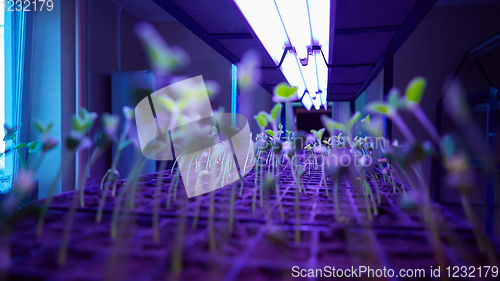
(260, 246)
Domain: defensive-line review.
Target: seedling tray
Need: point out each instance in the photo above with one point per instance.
(260, 246)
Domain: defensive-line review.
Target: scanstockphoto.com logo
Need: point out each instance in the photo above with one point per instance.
(211, 149)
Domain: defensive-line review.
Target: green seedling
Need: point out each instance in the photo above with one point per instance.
(286, 94)
(77, 140)
(112, 175)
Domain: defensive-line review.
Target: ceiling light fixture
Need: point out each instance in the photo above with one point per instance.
(296, 34)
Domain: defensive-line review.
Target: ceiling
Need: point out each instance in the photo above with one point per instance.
(367, 34)
(145, 10)
(464, 2)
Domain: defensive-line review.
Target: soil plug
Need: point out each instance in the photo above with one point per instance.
(198, 198)
(156, 202)
(255, 185)
(231, 211)
(52, 187)
(211, 236)
(130, 186)
(323, 174)
(176, 265)
(374, 178)
(174, 182)
(297, 216)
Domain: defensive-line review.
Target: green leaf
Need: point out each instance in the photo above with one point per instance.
(34, 146)
(332, 125)
(87, 116)
(10, 134)
(378, 107)
(275, 112)
(128, 112)
(261, 120)
(124, 144)
(168, 103)
(267, 116)
(318, 134)
(80, 125)
(284, 93)
(327, 123)
(82, 112)
(284, 90)
(366, 119)
(270, 132)
(39, 127)
(393, 97)
(415, 89)
(374, 127)
(355, 117)
(339, 126)
(76, 123)
(19, 146)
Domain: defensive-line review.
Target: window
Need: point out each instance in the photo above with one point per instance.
(6, 96)
(2, 89)
(12, 69)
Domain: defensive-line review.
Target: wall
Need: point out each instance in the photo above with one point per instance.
(434, 50)
(102, 60)
(374, 92)
(204, 60)
(207, 62)
(52, 89)
(262, 101)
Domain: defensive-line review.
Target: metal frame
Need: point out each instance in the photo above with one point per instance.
(474, 53)
(490, 186)
(419, 11)
(211, 39)
(188, 22)
(388, 84)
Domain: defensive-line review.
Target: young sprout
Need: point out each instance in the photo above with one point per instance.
(390, 109)
(412, 98)
(77, 140)
(261, 119)
(309, 150)
(332, 126)
(461, 177)
(33, 147)
(286, 94)
(103, 138)
(112, 175)
(163, 58)
(411, 154)
(273, 119)
(319, 135)
(298, 177)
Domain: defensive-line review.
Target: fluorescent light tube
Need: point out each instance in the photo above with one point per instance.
(265, 21)
(319, 13)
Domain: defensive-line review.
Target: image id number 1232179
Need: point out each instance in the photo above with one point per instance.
(26, 5)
